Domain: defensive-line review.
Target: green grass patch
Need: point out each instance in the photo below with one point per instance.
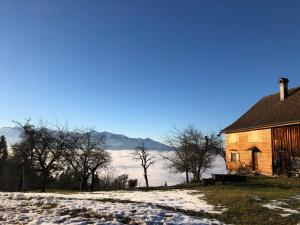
(244, 200)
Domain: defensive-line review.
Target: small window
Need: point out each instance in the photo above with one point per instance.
(234, 156)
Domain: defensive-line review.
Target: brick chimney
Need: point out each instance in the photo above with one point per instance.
(283, 88)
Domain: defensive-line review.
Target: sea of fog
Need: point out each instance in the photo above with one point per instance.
(123, 162)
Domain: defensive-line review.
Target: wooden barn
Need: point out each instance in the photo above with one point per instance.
(266, 139)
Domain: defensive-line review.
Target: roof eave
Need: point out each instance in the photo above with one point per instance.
(228, 131)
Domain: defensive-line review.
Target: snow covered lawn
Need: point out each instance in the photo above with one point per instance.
(120, 207)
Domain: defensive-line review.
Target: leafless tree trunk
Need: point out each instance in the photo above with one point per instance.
(191, 152)
(87, 155)
(179, 158)
(145, 158)
(45, 147)
(218, 145)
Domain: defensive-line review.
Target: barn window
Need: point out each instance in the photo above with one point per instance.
(234, 156)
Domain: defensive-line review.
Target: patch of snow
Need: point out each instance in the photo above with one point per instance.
(279, 205)
(50, 209)
(177, 199)
(285, 214)
(296, 197)
(256, 198)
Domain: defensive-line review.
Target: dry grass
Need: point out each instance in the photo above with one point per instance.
(244, 200)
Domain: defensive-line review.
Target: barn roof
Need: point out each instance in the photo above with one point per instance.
(269, 112)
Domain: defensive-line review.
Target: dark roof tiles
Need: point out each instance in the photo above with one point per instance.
(269, 112)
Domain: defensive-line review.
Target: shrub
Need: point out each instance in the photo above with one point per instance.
(132, 183)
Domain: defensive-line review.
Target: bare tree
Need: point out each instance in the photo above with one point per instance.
(107, 177)
(203, 155)
(143, 155)
(22, 152)
(179, 158)
(45, 148)
(98, 159)
(110, 179)
(121, 181)
(191, 152)
(42, 149)
(87, 155)
(219, 145)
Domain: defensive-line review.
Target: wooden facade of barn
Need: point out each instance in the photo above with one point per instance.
(266, 139)
(286, 148)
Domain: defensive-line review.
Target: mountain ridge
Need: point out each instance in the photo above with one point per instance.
(113, 141)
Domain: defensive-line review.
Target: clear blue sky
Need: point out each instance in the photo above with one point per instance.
(141, 67)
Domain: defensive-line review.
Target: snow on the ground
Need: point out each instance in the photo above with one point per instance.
(282, 207)
(75, 209)
(177, 199)
(158, 173)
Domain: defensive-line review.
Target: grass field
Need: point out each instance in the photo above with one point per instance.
(244, 200)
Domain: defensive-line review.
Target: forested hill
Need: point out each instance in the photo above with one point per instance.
(114, 141)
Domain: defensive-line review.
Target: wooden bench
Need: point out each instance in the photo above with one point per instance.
(295, 170)
(208, 181)
(228, 178)
(294, 174)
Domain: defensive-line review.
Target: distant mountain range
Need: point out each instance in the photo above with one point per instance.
(114, 141)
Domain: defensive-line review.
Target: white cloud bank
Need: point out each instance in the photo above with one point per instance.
(158, 173)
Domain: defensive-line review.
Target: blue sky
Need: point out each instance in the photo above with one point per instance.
(142, 67)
